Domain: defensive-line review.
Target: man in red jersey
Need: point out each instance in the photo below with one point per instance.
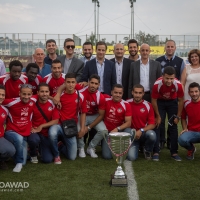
(56, 78)
(14, 79)
(69, 102)
(190, 120)
(143, 122)
(117, 116)
(6, 148)
(34, 78)
(166, 90)
(40, 126)
(19, 124)
(94, 116)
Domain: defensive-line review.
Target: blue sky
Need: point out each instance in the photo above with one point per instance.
(171, 17)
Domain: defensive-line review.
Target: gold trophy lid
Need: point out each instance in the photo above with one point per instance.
(122, 134)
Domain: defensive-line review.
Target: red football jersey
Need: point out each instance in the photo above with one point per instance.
(20, 115)
(49, 110)
(12, 87)
(143, 114)
(115, 113)
(4, 114)
(54, 83)
(35, 83)
(69, 105)
(94, 101)
(161, 91)
(191, 113)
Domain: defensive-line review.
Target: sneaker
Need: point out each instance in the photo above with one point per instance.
(57, 160)
(147, 155)
(155, 157)
(91, 152)
(190, 154)
(34, 159)
(18, 167)
(3, 165)
(176, 157)
(81, 153)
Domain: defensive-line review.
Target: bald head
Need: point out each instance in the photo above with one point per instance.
(144, 51)
(119, 51)
(39, 55)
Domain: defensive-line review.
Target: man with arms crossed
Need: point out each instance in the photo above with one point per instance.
(190, 120)
(143, 122)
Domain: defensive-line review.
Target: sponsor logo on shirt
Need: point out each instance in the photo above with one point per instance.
(24, 112)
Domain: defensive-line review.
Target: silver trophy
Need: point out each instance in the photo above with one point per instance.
(119, 144)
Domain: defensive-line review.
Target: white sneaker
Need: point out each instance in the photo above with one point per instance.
(34, 159)
(18, 167)
(91, 152)
(81, 153)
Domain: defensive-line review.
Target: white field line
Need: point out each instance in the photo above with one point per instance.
(132, 185)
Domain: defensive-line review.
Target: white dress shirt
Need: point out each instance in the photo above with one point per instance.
(144, 75)
(119, 67)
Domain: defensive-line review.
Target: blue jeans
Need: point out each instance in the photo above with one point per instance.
(169, 107)
(106, 152)
(187, 139)
(69, 149)
(35, 140)
(100, 128)
(147, 138)
(7, 149)
(20, 143)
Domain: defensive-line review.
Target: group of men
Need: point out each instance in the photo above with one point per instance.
(94, 91)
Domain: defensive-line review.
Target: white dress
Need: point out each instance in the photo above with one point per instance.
(192, 75)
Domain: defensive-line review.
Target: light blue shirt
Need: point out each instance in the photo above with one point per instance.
(84, 59)
(100, 69)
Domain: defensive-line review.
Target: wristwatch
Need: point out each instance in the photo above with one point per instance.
(142, 130)
(89, 128)
(118, 128)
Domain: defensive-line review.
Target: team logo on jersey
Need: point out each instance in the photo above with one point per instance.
(34, 87)
(19, 86)
(31, 103)
(3, 115)
(119, 110)
(24, 112)
(50, 108)
(76, 101)
(112, 110)
(173, 90)
(142, 110)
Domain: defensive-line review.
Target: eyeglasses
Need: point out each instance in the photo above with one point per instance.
(70, 46)
(27, 86)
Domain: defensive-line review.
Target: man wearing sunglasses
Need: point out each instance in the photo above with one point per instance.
(69, 62)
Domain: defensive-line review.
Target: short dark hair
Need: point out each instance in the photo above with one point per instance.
(2, 87)
(50, 40)
(15, 63)
(94, 76)
(88, 43)
(169, 70)
(133, 41)
(56, 61)
(117, 86)
(171, 41)
(101, 43)
(68, 40)
(43, 85)
(70, 75)
(138, 86)
(33, 65)
(193, 85)
(196, 51)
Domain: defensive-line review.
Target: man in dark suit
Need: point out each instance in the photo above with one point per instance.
(122, 66)
(70, 63)
(144, 72)
(102, 67)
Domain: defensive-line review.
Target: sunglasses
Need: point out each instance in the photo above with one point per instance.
(26, 86)
(70, 46)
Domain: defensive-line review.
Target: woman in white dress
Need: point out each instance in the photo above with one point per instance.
(191, 72)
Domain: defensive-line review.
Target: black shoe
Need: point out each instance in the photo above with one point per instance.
(169, 146)
(162, 145)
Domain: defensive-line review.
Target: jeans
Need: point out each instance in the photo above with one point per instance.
(106, 152)
(147, 138)
(7, 149)
(187, 139)
(20, 143)
(100, 128)
(35, 140)
(69, 149)
(170, 107)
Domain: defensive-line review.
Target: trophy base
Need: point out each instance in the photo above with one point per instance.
(118, 182)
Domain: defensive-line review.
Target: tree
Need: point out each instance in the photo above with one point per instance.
(92, 39)
(141, 37)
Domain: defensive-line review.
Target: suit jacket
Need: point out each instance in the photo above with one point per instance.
(75, 67)
(134, 77)
(125, 75)
(109, 78)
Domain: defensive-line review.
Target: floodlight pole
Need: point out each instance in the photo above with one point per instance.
(132, 17)
(94, 1)
(98, 5)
